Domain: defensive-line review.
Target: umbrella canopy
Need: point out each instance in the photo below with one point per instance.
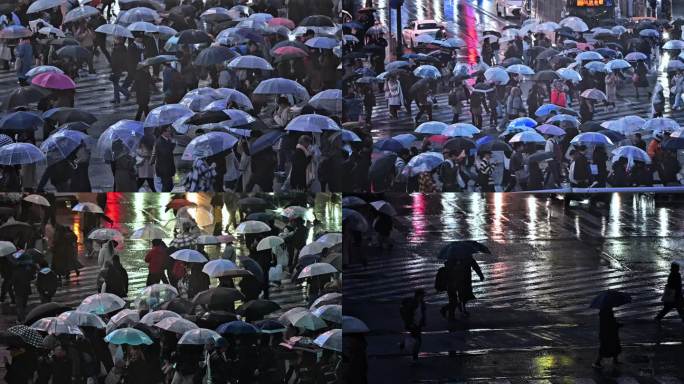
(213, 55)
(331, 340)
(354, 220)
(73, 52)
(593, 94)
(106, 234)
(53, 80)
(125, 317)
(189, 256)
(460, 130)
(154, 317)
(28, 335)
(15, 32)
(322, 42)
(37, 199)
(218, 298)
(257, 308)
(61, 144)
(237, 327)
(115, 30)
(384, 207)
(176, 325)
(138, 14)
(101, 303)
(82, 319)
(569, 74)
(87, 207)
(42, 5)
(155, 295)
(23, 96)
(497, 75)
(209, 144)
(610, 298)
(591, 138)
(427, 72)
(431, 128)
(127, 132)
(45, 310)
(63, 115)
(330, 239)
(424, 162)
(270, 242)
(314, 248)
(312, 123)
(461, 249)
(199, 336)
(329, 312)
(128, 336)
(270, 326)
(329, 100)
(250, 62)
(551, 130)
(281, 86)
(328, 298)
(20, 121)
(661, 124)
(224, 268)
(631, 153)
(251, 226)
(520, 69)
(351, 325)
(7, 248)
(20, 154)
(166, 115)
(317, 269)
(306, 320)
(574, 23)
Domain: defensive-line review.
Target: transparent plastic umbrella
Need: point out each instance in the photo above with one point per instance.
(166, 114)
(497, 75)
(87, 207)
(632, 154)
(384, 207)
(56, 326)
(154, 317)
(101, 303)
(61, 144)
(250, 62)
(234, 96)
(128, 336)
(138, 14)
(594, 138)
(199, 336)
(124, 317)
(329, 312)
(209, 144)
(328, 298)
(82, 319)
(330, 239)
(331, 340)
(317, 269)
(20, 154)
(176, 325)
(197, 103)
(431, 128)
(269, 243)
(143, 26)
(79, 13)
(329, 100)
(661, 124)
(115, 30)
(43, 69)
(427, 72)
(42, 5)
(312, 123)
(219, 267)
(617, 64)
(461, 130)
(520, 69)
(282, 86)
(150, 232)
(189, 256)
(424, 162)
(252, 226)
(322, 42)
(352, 325)
(306, 320)
(314, 248)
(238, 117)
(128, 132)
(569, 74)
(589, 55)
(574, 23)
(153, 296)
(106, 234)
(527, 137)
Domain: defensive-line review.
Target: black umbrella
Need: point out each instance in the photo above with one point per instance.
(253, 203)
(590, 126)
(42, 311)
(216, 54)
(495, 145)
(495, 33)
(193, 36)
(547, 54)
(381, 166)
(76, 126)
(459, 144)
(532, 52)
(10, 339)
(511, 61)
(610, 298)
(612, 135)
(560, 61)
(183, 10)
(24, 96)
(264, 141)
(17, 232)
(483, 87)
(317, 21)
(178, 305)
(207, 117)
(257, 309)
(73, 52)
(28, 335)
(539, 157)
(607, 52)
(546, 75)
(252, 266)
(431, 59)
(219, 298)
(461, 249)
(64, 115)
(213, 319)
(260, 216)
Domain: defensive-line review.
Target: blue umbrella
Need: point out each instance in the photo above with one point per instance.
(228, 96)
(431, 128)
(392, 145)
(515, 129)
(591, 138)
(209, 144)
(526, 121)
(20, 121)
(348, 135)
(322, 42)
(352, 25)
(483, 140)
(270, 326)
(610, 298)
(250, 62)
(128, 336)
(595, 66)
(649, 33)
(424, 162)
(406, 139)
(238, 118)
(564, 118)
(329, 100)
(546, 109)
(20, 153)
(166, 115)
(636, 56)
(281, 86)
(312, 123)
(588, 55)
(264, 141)
(61, 144)
(427, 72)
(397, 65)
(237, 327)
(129, 132)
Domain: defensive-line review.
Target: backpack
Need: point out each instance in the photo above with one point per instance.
(441, 280)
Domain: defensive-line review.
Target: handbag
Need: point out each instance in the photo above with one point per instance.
(669, 296)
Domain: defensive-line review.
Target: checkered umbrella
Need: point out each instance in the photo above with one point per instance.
(28, 335)
(184, 240)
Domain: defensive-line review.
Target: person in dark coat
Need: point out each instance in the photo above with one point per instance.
(137, 368)
(59, 174)
(6, 269)
(580, 172)
(23, 365)
(164, 162)
(47, 282)
(119, 66)
(199, 281)
(619, 176)
(641, 175)
(460, 281)
(64, 259)
(600, 159)
(412, 313)
(300, 162)
(263, 166)
(250, 287)
(672, 297)
(609, 337)
(22, 276)
(116, 278)
(142, 84)
(383, 226)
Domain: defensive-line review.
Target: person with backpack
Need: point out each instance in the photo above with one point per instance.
(412, 313)
(47, 282)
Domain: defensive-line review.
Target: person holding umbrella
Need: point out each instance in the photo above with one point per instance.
(672, 297)
(142, 84)
(609, 336)
(412, 313)
(24, 59)
(119, 65)
(300, 163)
(163, 158)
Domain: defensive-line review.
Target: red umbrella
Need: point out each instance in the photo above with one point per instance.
(53, 80)
(290, 51)
(438, 139)
(178, 204)
(278, 21)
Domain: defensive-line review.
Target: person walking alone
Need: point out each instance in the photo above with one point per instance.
(155, 259)
(609, 337)
(672, 297)
(412, 313)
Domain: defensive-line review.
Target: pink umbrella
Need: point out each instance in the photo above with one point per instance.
(54, 80)
(278, 21)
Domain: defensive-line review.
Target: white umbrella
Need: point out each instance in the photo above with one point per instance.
(574, 23)
(149, 231)
(176, 325)
(219, 268)
(317, 269)
(312, 249)
(527, 137)
(329, 312)
(124, 317)
(154, 317)
(106, 234)
(82, 319)
(87, 208)
(7, 248)
(252, 226)
(189, 256)
(51, 30)
(330, 239)
(270, 242)
(38, 200)
(331, 340)
(306, 320)
(199, 336)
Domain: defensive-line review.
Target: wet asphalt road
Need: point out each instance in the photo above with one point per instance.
(531, 319)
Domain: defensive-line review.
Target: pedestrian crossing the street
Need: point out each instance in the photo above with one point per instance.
(565, 286)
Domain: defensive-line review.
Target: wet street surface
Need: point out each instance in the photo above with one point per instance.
(531, 319)
(132, 211)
